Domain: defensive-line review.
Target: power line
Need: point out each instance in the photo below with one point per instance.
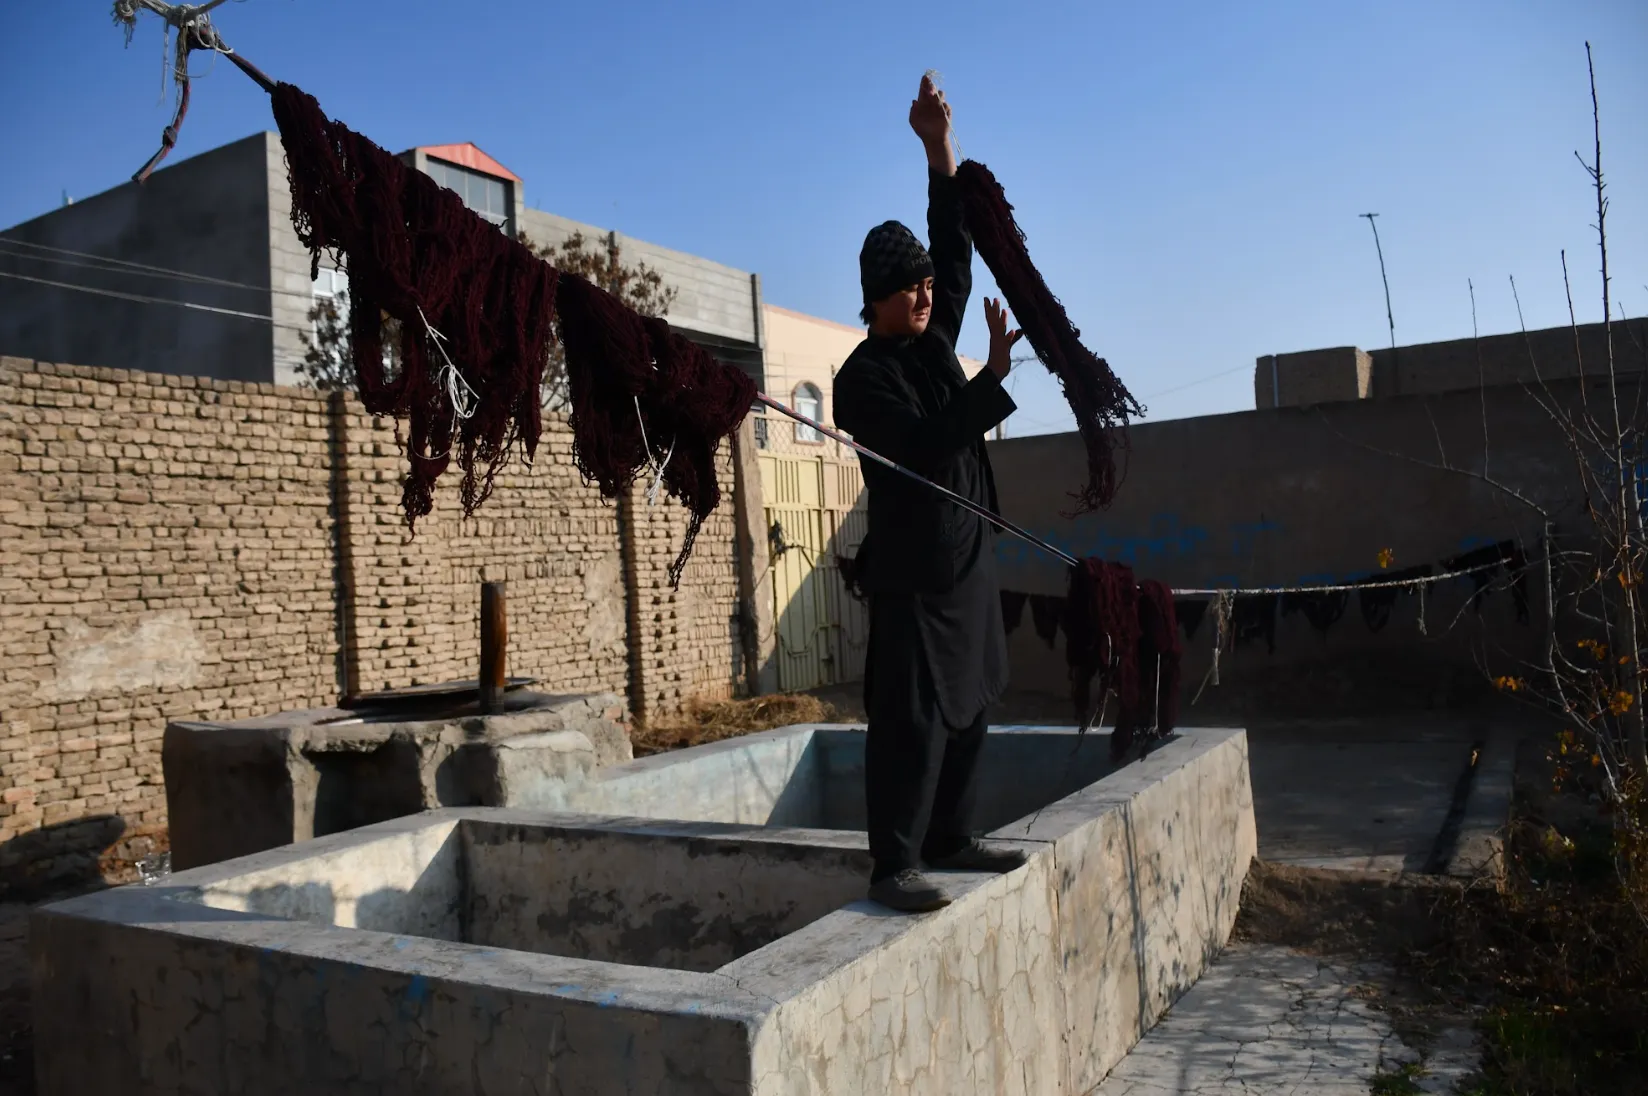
(115, 266)
(1194, 383)
(1023, 419)
(139, 298)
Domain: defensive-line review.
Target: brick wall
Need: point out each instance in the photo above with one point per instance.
(686, 641)
(416, 604)
(165, 551)
(174, 547)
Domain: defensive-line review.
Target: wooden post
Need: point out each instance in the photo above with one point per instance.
(494, 645)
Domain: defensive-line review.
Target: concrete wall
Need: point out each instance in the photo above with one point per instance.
(208, 215)
(178, 548)
(411, 882)
(1034, 982)
(711, 299)
(1457, 365)
(253, 976)
(226, 214)
(1307, 496)
(812, 777)
(181, 995)
(643, 898)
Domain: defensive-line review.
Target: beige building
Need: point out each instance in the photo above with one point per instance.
(802, 354)
(813, 499)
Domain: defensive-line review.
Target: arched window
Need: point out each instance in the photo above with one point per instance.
(810, 402)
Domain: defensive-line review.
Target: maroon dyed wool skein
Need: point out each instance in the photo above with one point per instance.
(1123, 635)
(642, 395)
(414, 252)
(1101, 403)
(645, 397)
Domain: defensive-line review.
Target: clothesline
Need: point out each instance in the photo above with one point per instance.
(1342, 587)
(1037, 542)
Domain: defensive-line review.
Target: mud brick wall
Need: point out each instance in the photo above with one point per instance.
(417, 597)
(165, 552)
(686, 641)
(173, 547)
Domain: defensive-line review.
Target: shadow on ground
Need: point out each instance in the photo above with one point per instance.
(47, 865)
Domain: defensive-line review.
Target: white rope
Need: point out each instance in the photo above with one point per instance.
(1343, 587)
(1223, 611)
(462, 396)
(652, 461)
(938, 85)
(1223, 602)
(189, 20)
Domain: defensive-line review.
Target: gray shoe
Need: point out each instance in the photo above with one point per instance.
(908, 892)
(975, 856)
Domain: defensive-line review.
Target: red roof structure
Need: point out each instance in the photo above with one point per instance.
(467, 155)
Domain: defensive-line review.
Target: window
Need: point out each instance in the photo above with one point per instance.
(809, 402)
(330, 283)
(484, 194)
(333, 285)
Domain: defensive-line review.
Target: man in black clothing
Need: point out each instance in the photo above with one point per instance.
(938, 654)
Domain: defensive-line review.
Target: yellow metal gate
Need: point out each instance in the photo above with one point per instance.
(815, 514)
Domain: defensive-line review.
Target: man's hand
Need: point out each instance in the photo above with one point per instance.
(929, 113)
(1002, 340)
(930, 118)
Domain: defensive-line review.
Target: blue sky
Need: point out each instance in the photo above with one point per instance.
(1189, 174)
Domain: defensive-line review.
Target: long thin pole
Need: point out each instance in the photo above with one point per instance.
(257, 74)
(965, 503)
(493, 677)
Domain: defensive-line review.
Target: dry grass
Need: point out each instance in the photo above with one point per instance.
(713, 720)
(1558, 960)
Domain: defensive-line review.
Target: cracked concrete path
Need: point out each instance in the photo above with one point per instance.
(1266, 1019)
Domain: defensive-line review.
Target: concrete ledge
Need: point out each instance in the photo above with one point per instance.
(1479, 850)
(240, 787)
(509, 949)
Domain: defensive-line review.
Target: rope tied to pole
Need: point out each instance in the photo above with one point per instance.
(194, 31)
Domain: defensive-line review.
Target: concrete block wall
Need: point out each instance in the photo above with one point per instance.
(208, 216)
(175, 548)
(711, 298)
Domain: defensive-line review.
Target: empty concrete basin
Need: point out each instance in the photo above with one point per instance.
(504, 949)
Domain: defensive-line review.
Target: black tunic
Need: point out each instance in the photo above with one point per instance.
(927, 563)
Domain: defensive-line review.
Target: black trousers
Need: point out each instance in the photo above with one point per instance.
(920, 773)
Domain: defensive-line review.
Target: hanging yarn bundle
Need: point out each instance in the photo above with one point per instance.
(1124, 634)
(1101, 403)
(475, 310)
(462, 291)
(694, 401)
